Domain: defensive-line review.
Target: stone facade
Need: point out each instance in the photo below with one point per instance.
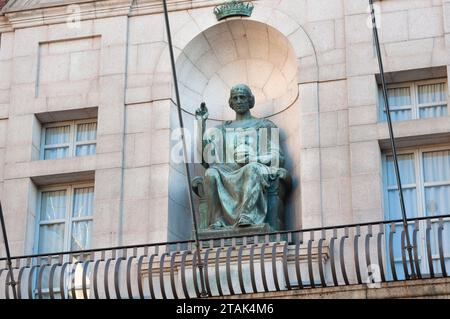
(311, 62)
(415, 289)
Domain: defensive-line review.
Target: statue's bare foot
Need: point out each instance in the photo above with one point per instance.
(244, 221)
(216, 225)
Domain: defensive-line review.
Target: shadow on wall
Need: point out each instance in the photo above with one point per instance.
(232, 52)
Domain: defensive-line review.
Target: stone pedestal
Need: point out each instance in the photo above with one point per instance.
(207, 234)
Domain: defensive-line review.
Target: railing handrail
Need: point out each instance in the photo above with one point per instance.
(94, 250)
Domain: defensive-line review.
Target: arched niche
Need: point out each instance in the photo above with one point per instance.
(232, 52)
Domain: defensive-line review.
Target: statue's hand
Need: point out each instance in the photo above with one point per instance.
(202, 112)
(241, 157)
(244, 157)
(244, 154)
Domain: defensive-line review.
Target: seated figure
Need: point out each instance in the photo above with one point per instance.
(244, 182)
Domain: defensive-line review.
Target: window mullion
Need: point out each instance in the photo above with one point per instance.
(415, 100)
(68, 229)
(51, 222)
(385, 188)
(401, 108)
(47, 146)
(73, 135)
(420, 189)
(431, 104)
(404, 186)
(82, 219)
(42, 150)
(436, 184)
(87, 142)
(422, 207)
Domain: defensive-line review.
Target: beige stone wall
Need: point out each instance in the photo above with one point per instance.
(412, 36)
(117, 61)
(414, 289)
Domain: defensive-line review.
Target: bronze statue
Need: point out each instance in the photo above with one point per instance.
(246, 162)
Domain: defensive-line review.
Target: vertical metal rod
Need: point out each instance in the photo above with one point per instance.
(8, 254)
(186, 163)
(392, 138)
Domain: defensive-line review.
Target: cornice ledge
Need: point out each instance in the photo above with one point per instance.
(12, 5)
(5, 26)
(13, 18)
(59, 13)
(143, 7)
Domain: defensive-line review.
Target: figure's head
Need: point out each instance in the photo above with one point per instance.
(241, 98)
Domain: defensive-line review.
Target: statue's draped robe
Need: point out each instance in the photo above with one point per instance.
(237, 192)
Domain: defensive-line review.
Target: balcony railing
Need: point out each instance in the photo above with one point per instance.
(369, 253)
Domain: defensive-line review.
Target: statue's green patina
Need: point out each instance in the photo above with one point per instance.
(246, 161)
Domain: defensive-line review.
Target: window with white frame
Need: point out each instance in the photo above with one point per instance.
(66, 139)
(425, 176)
(415, 100)
(65, 218)
(64, 224)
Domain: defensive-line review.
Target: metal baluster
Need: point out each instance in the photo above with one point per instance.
(274, 265)
(332, 257)
(21, 272)
(172, 274)
(194, 274)
(150, 274)
(62, 279)
(356, 253)
(319, 261)
(380, 251)
(263, 266)
(129, 264)
(161, 275)
(72, 279)
(1, 271)
(217, 260)
(84, 276)
(391, 251)
(342, 255)
(367, 246)
(117, 273)
(106, 273)
(441, 247)
(240, 272)
(51, 276)
(228, 269)
(139, 272)
(31, 277)
(252, 266)
(405, 266)
(183, 273)
(310, 264)
(416, 250)
(205, 266)
(297, 261)
(429, 252)
(95, 276)
(9, 280)
(285, 265)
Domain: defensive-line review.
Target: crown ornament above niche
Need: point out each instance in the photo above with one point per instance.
(233, 8)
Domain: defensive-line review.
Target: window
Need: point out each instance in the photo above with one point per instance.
(65, 139)
(65, 218)
(64, 224)
(425, 174)
(416, 100)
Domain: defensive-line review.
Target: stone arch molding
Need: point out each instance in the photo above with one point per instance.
(277, 48)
